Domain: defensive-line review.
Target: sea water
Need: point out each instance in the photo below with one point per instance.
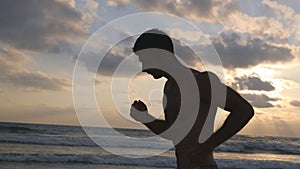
(54, 146)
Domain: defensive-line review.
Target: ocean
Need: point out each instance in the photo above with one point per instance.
(29, 146)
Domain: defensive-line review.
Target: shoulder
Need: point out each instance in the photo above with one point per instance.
(168, 86)
(213, 77)
(206, 75)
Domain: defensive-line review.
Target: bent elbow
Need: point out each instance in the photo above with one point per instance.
(250, 111)
(247, 111)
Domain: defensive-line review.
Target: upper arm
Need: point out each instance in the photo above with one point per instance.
(171, 102)
(236, 103)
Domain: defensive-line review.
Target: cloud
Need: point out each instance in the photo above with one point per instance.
(282, 25)
(295, 103)
(252, 83)
(111, 60)
(12, 59)
(45, 26)
(185, 53)
(286, 14)
(260, 100)
(262, 26)
(237, 52)
(231, 16)
(89, 10)
(280, 10)
(40, 113)
(116, 54)
(35, 81)
(117, 3)
(205, 10)
(107, 66)
(14, 70)
(185, 34)
(227, 13)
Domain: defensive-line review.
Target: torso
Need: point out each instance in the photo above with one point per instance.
(173, 101)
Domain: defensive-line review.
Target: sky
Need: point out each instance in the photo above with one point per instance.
(257, 42)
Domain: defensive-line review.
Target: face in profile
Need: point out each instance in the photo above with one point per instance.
(156, 73)
(148, 66)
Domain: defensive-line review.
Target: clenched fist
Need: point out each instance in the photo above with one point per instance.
(139, 112)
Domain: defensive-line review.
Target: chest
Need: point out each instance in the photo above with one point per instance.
(172, 93)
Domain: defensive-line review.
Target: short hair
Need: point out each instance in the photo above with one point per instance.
(153, 38)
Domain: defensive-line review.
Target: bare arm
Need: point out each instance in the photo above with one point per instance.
(240, 114)
(157, 126)
(139, 112)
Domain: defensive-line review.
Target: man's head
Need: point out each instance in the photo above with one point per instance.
(146, 47)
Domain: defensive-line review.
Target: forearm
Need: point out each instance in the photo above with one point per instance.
(231, 126)
(157, 126)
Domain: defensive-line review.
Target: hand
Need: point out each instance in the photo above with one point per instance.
(139, 112)
(139, 106)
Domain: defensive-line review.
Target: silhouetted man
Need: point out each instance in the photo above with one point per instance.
(190, 153)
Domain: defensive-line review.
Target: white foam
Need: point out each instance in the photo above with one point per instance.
(89, 158)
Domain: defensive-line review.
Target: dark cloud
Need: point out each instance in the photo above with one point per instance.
(13, 71)
(111, 60)
(107, 66)
(185, 53)
(35, 81)
(295, 103)
(236, 52)
(233, 50)
(260, 100)
(123, 49)
(252, 83)
(47, 26)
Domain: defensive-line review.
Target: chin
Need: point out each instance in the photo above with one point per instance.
(157, 76)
